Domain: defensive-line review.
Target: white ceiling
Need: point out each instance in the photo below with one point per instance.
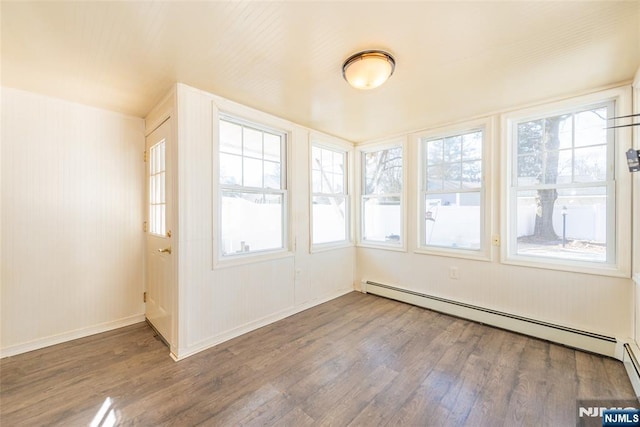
(454, 59)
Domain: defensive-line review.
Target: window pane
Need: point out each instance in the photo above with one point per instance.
(157, 190)
(328, 172)
(372, 165)
(472, 174)
(329, 219)
(230, 137)
(251, 222)
(252, 143)
(381, 217)
(472, 146)
(530, 136)
(324, 175)
(328, 212)
(327, 182)
(565, 167)
(591, 164)
(529, 167)
(327, 160)
(453, 220)
(557, 216)
(434, 152)
(272, 146)
(316, 158)
(453, 149)
(338, 184)
(316, 180)
(452, 176)
(252, 172)
(434, 178)
(160, 188)
(543, 217)
(565, 133)
(338, 162)
(251, 206)
(230, 169)
(383, 171)
(272, 178)
(591, 127)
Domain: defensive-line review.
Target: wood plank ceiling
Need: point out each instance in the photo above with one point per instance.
(454, 59)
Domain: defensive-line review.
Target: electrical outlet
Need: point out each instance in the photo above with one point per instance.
(453, 273)
(495, 240)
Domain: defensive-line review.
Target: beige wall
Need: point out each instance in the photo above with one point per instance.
(72, 186)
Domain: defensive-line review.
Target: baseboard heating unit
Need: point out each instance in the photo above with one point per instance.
(632, 366)
(570, 337)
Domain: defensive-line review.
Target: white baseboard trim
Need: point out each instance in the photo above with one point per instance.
(248, 327)
(584, 340)
(68, 336)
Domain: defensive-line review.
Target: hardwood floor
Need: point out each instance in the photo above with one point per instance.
(357, 360)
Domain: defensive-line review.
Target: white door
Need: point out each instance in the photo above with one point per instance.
(160, 254)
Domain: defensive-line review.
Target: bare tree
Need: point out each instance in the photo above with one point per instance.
(546, 198)
(538, 149)
(384, 171)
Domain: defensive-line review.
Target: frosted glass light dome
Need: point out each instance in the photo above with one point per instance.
(368, 69)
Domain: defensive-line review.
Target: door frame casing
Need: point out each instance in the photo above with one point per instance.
(162, 113)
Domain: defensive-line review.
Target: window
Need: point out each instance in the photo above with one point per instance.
(157, 190)
(562, 193)
(330, 213)
(253, 195)
(452, 199)
(382, 204)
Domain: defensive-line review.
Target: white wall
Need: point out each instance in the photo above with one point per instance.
(72, 185)
(595, 303)
(588, 302)
(218, 302)
(72, 212)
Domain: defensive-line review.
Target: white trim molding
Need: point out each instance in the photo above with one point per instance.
(68, 336)
(251, 326)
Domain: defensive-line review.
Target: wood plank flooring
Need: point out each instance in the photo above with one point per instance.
(358, 360)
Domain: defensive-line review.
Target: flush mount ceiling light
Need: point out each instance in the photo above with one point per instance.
(368, 69)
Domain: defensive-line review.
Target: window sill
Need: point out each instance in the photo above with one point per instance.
(325, 247)
(388, 247)
(247, 259)
(567, 266)
(482, 255)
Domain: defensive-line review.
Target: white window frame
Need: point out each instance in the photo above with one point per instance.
(618, 182)
(360, 171)
(262, 124)
(486, 126)
(333, 144)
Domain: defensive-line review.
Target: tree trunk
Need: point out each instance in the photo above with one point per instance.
(545, 200)
(544, 215)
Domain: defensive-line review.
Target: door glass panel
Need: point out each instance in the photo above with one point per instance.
(157, 190)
